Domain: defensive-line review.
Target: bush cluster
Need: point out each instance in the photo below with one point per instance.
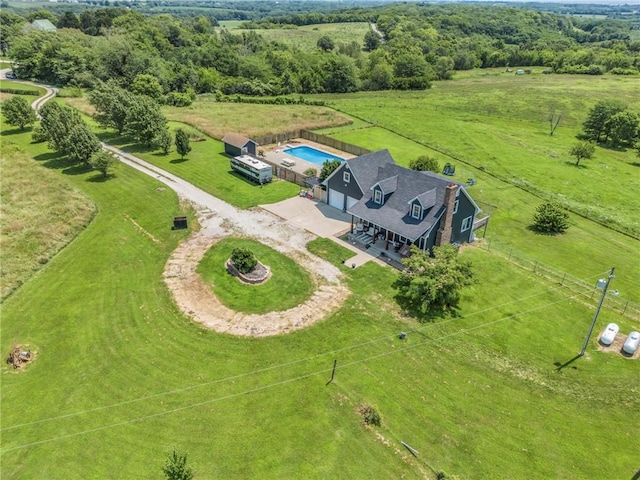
(243, 259)
(369, 415)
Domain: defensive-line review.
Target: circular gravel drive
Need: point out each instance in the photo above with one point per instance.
(219, 219)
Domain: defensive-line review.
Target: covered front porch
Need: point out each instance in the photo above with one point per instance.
(381, 241)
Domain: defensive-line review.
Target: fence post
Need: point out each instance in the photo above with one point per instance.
(535, 265)
(625, 307)
(563, 278)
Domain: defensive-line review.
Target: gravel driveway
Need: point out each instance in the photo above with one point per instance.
(219, 219)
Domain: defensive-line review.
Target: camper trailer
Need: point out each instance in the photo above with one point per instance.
(252, 168)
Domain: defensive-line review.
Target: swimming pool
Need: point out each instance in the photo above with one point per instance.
(311, 154)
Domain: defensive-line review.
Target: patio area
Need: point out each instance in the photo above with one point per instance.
(275, 154)
(376, 248)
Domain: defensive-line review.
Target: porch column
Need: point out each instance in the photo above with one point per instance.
(386, 240)
(351, 224)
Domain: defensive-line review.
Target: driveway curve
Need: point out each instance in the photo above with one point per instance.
(219, 219)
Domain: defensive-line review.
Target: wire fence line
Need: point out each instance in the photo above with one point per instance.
(588, 292)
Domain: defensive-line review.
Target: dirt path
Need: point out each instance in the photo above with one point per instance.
(219, 219)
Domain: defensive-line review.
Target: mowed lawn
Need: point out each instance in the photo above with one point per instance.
(288, 286)
(207, 167)
(121, 378)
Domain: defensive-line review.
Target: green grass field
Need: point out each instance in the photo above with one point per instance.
(306, 37)
(289, 284)
(121, 377)
(26, 187)
(497, 124)
(207, 166)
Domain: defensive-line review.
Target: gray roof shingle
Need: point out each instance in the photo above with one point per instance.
(395, 214)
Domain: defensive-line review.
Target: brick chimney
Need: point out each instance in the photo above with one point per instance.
(444, 232)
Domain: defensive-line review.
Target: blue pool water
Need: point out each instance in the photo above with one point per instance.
(311, 154)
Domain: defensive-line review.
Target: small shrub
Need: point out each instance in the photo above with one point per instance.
(178, 99)
(550, 218)
(369, 415)
(243, 259)
(311, 172)
(425, 163)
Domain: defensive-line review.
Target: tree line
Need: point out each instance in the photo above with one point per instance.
(422, 43)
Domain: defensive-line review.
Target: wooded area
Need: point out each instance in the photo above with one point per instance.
(417, 45)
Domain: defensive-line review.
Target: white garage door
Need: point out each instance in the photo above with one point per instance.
(351, 202)
(336, 199)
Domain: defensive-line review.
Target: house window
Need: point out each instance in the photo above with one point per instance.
(466, 224)
(377, 196)
(346, 176)
(415, 211)
(455, 207)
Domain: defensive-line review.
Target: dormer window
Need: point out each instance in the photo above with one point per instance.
(455, 206)
(416, 211)
(377, 196)
(346, 177)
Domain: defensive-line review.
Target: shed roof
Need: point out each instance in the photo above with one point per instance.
(44, 24)
(236, 140)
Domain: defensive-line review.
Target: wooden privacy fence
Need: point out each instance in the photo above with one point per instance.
(313, 137)
(285, 173)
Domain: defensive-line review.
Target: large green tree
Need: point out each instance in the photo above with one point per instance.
(597, 127)
(623, 128)
(82, 144)
(144, 120)
(325, 43)
(432, 283)
(550, 218)
(145, 84)
(371, 41)
(67, 133)
(340, 74)
(112, 104)
(18, 113)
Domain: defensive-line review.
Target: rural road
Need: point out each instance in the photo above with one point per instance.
(38, 102)
(219, 219)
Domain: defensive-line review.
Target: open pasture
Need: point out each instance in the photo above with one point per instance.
(498, 124)
(306, 37)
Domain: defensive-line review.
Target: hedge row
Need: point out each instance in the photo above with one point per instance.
(269, 101)
(18, 91)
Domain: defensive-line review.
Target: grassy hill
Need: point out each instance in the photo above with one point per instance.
(121, 377)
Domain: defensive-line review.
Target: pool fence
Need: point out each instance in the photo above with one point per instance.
(285, 137)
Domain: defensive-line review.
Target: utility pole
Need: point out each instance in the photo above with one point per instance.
(595, 316)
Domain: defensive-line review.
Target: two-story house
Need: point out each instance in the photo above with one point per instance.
(401, 206)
